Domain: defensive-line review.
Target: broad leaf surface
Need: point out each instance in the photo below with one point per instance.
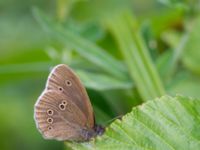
(167, 123)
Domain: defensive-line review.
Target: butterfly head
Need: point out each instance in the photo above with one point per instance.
(87, 134)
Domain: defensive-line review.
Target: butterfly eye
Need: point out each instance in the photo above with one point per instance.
(62, 107)
(60, 89)
(68, 82)
(50, 112)
(50, 120)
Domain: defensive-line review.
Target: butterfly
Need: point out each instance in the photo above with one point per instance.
(63, 111)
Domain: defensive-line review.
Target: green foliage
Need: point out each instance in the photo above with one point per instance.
(165, 123)
(125, 52)
(136, 55)
(191, 56)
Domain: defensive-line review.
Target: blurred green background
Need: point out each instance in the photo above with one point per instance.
(125, 52)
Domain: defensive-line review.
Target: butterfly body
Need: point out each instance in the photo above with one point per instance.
(63, 111)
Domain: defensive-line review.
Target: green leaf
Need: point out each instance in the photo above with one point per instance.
(84, 47)
(100, 81)
(136, 55)
(167, 123)
(97, 81)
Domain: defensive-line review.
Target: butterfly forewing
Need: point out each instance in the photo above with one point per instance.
(64, 80)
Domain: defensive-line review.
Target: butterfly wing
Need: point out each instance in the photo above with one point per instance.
(58, 117)
(63, 86)
(63, 79)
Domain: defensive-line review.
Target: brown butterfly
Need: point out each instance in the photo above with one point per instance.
(63, 111)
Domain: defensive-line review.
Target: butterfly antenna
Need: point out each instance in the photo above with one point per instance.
(111, 120)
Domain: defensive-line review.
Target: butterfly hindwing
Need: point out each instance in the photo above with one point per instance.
(57, 117)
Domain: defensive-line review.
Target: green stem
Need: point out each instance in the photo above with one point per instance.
(136, 55)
